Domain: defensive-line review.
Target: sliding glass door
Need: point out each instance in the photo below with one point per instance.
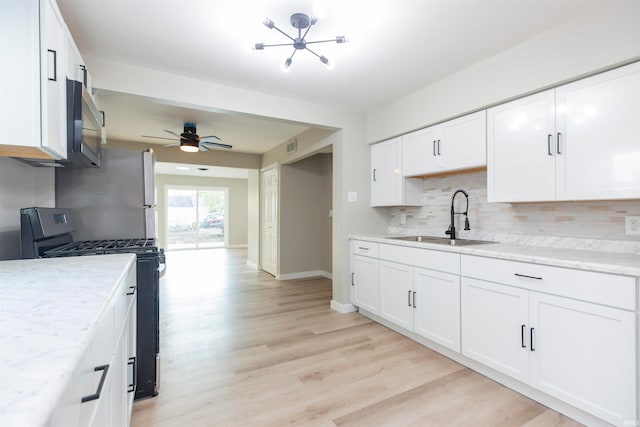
(196, 217)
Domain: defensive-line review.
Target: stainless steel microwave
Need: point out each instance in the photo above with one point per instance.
(85, 127)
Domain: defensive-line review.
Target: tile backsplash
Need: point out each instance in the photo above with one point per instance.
(578, 220)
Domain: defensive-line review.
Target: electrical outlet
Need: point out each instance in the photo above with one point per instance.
(403, 219)
(632, 225)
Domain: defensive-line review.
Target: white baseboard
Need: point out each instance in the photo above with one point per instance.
(343, 308)
(236, 246)
(304, 275)
(253, 265)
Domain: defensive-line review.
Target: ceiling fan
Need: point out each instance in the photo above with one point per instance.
(189, 140)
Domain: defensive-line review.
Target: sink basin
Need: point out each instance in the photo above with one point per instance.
(442, 240)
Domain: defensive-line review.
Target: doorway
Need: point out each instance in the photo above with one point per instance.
(196, 217)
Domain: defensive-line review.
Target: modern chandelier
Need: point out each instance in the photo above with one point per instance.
(300, 21)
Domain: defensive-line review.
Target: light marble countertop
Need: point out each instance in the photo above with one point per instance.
(49, 310)
(590, 260)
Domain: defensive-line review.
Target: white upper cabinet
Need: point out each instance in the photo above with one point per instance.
(388, 186)
(453, 145)
(33, 88)
(598, 136)
(580, 141)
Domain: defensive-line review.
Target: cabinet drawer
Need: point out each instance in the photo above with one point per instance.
(124, 297)
(435, 260)
(600, 288)
(363, 248)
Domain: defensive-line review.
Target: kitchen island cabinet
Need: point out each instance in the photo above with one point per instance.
(67, 322)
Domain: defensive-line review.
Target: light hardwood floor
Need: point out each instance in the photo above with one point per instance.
(240, 348)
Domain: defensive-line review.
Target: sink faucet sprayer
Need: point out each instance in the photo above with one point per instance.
(452, 228)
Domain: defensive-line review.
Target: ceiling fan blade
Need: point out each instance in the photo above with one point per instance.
(216, 144)
(157, 137)
(203, 148)
(209, 138)
(175, 144)
(173, 133)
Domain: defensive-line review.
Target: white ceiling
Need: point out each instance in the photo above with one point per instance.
(165, 168)
(394, 48)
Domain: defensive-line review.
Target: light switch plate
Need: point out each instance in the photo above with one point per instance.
(352, 196)
(403, 219)
(632, 225)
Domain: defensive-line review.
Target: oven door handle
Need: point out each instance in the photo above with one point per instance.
(163, 263)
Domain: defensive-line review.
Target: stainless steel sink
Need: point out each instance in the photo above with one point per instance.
(442, 240)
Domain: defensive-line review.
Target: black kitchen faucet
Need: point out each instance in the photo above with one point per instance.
(452, 228)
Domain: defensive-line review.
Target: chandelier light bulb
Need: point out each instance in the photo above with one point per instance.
(286, 65)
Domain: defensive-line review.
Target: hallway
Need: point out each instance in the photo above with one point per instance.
(239, 348)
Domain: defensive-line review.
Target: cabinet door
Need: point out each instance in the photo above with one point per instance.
(598, 136)
(494, 326)
(386, 173)
(365, 283)
(396, 293)
(464, 142)
(54, 118)
(420, 152)
(520, 155)
(437, 307)
(584, 354)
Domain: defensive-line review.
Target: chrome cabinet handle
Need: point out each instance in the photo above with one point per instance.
(558, 143)
(439, 148)
(434, 147)
(550, 144)
(414, 299)
(523, 329)
(96, 395)
(133, 290)
(352, 276)
(409, 298)
(374, 175)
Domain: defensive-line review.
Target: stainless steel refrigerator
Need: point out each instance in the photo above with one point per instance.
(115, 201)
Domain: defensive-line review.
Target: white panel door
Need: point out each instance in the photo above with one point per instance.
(269, 223)
(520, 155)
(598, 132)
(494, 326)
(396, 293)
(584, 354)
(365, 283)
(464, 142)
(437, 307)
(386, 173)
(420, 152)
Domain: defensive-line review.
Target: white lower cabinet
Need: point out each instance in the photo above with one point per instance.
(422, 300)
(364, 275)
(436, 302)
(98, 393)
(579, 351)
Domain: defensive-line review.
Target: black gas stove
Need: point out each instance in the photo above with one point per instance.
(103, 247)
(46, 233)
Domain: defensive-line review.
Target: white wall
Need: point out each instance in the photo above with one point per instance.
(253, 218)
(598, 41)
(21, 186)
(305, 226)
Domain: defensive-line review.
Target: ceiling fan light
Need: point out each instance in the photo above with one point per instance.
(341, 39)
(259, 46)
(189, 146)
